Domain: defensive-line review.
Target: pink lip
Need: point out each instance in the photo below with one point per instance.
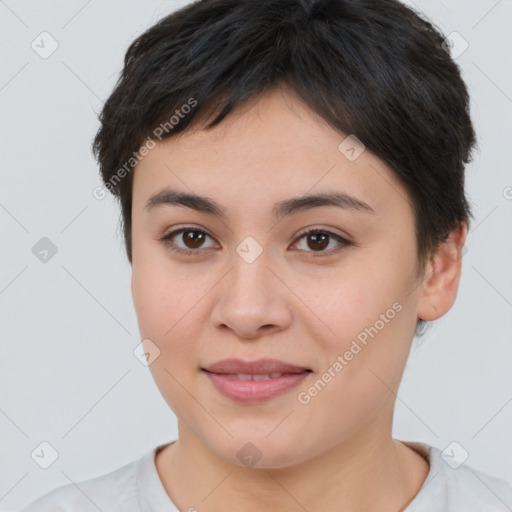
(259, 366)
(222, 377)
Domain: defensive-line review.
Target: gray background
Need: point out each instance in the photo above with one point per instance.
(68, 374)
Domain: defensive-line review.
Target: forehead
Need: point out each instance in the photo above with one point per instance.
(270, 149)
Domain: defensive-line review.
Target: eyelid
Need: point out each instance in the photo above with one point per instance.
(342, 240)
(166, 239)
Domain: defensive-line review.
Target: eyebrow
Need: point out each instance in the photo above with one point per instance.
(287, 207)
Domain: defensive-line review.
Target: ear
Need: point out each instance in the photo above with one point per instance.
(442, 275)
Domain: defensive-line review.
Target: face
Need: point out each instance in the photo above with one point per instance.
(341, 302)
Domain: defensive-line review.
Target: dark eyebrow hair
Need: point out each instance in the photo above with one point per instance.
(284, 208)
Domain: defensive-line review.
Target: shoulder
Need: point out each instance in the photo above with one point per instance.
(452, 486)
(116, 491)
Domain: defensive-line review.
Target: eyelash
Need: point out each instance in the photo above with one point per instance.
(167, 241)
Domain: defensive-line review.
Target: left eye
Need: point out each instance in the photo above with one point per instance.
(316, 239)
(319, 239)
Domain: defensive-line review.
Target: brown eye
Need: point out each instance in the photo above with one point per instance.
(193, 240)
(318, 240)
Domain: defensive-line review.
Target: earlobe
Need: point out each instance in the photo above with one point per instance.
(441, 281)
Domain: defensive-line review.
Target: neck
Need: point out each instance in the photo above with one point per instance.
(372, 472)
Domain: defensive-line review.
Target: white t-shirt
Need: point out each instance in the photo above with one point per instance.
(136, 487)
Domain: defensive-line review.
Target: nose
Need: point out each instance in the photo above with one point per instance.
(251, 300)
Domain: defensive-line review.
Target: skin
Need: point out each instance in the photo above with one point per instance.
(295, 302)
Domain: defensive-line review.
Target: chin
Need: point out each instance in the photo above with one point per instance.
(260, 451)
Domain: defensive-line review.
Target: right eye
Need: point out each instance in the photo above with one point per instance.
(193, 236)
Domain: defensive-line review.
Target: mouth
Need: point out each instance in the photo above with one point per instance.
(251, 382)
(257, 376)
(257, 367)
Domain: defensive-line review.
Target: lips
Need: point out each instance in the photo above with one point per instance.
(257, 367)
(251, 382)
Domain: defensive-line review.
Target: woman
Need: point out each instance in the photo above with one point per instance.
(291, 181)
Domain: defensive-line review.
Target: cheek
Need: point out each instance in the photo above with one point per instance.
(348, 303)
(168, 305)
(357, 380)
(160, 295)
(164, 308)
(364, 339)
